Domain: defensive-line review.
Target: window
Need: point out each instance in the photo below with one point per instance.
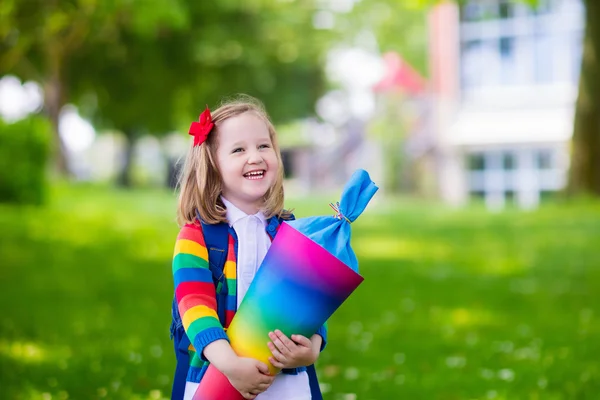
(479, 10)
(507, 47)
(506, 10)
(546, 195)
(508, 161)
(543, 159)
(543, 7)
(477, 195)
(476, 162)
(576, 55)
(543, 58)
(514, 175)
(469, 12)
(509, 197)
(504, 42)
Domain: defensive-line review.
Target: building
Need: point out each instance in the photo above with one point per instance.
(504, 82)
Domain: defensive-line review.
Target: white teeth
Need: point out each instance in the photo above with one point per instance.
(254, 174)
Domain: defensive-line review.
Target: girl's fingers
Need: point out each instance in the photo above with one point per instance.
(285, 340)
(302, 340)
(276, 363)
(280, 344)
(277, 355)
(266, 379)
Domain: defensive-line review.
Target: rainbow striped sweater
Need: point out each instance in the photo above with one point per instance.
(196, 295)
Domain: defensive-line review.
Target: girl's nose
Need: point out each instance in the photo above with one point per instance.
(254, 157)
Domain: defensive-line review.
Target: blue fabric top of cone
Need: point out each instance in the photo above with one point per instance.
(333, 233)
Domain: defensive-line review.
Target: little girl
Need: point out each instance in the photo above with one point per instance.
(233, 175)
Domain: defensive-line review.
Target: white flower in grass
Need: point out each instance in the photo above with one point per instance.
(156, 351)
(472, 339)
(351, 373)
(527, 353)
(155, 394)
(400, 379)
(389, 318)
(408, 305)
(456, 362)
(506, 374)
(487, 373)
(325, 387)
(399, 358)
(503, 347)
(355, 328)
(585, 315)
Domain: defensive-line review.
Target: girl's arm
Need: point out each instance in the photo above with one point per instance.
(249, 376)
(322, 332)
(197, 303)
(317, 344)
(195, 290)
(221, 355)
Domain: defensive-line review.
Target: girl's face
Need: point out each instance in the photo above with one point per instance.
(246, 160)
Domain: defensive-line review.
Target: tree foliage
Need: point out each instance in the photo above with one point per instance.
(39, 39)
(148, 67)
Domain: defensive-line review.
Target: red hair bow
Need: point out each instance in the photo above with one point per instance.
(200, 130)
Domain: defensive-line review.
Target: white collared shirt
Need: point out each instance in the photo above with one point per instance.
(253, 243)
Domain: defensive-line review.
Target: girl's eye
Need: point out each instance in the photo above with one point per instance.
(239, 149)
(264, 146)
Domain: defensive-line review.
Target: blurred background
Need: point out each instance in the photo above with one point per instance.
(478, 120)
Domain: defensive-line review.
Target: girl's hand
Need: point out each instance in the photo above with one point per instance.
(299, 351)
(250, 377)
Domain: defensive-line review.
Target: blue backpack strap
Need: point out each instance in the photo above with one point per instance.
(181, 342)
(216, 238)
(315, 390)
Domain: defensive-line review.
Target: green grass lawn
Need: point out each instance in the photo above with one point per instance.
(455, 304)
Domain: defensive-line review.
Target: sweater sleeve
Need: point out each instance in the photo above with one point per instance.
(195, 290)
(323, 333)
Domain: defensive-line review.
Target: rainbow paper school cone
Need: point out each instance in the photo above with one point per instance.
(297, 288)
(308, 272)
(300, 284)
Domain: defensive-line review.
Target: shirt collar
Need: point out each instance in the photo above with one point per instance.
(234, 214)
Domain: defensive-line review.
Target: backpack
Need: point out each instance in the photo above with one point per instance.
(216, 238)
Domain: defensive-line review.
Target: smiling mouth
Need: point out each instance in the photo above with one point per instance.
(254, 175)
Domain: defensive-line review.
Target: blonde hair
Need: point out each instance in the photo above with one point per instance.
(200, 182)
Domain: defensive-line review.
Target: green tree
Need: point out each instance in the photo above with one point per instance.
(38, 40)
(153, 79)
(147, 68)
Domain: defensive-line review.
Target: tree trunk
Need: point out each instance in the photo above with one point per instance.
(124, 179)
(584, 174)
(54, 100)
